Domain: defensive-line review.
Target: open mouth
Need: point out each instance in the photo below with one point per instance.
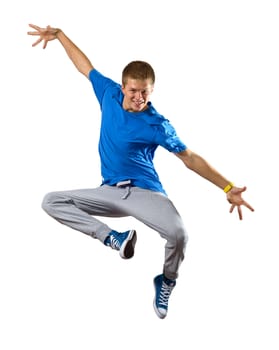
(138, 104)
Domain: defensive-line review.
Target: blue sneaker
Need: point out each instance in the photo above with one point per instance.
(124, 242)
(163, 289)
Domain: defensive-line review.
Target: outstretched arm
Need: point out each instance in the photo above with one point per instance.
(78, 58)
(200, 166)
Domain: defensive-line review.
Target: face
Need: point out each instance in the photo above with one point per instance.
(136, 94)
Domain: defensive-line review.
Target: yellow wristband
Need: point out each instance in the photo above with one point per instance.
(228, 187)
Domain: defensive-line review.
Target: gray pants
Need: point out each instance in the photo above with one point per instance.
(76, 209)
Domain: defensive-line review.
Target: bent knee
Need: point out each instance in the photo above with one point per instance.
(49, 201)
(179, 237)
(182, 237)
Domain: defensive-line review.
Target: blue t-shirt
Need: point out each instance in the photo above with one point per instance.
(128, 140)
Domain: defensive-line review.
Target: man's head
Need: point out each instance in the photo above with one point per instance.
(138, 70)
(138, 80)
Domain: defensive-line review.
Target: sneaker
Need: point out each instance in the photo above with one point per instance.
(124, 242)
(163, 289)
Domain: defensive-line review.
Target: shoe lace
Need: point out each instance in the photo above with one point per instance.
(114, 243)
(165, 294)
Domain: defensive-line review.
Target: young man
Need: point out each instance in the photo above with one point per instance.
(131, 130)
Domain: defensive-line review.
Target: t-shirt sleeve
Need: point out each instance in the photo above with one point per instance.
(99, 83)
(167, 137)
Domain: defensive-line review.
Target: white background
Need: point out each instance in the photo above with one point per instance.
(217, 81)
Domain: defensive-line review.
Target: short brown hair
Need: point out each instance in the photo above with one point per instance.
(138, 70)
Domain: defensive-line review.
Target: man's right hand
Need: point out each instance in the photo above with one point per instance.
(45, 34)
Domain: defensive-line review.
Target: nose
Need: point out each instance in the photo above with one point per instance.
(139, 95)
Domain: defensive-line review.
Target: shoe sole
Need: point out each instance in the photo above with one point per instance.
(127, 249)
